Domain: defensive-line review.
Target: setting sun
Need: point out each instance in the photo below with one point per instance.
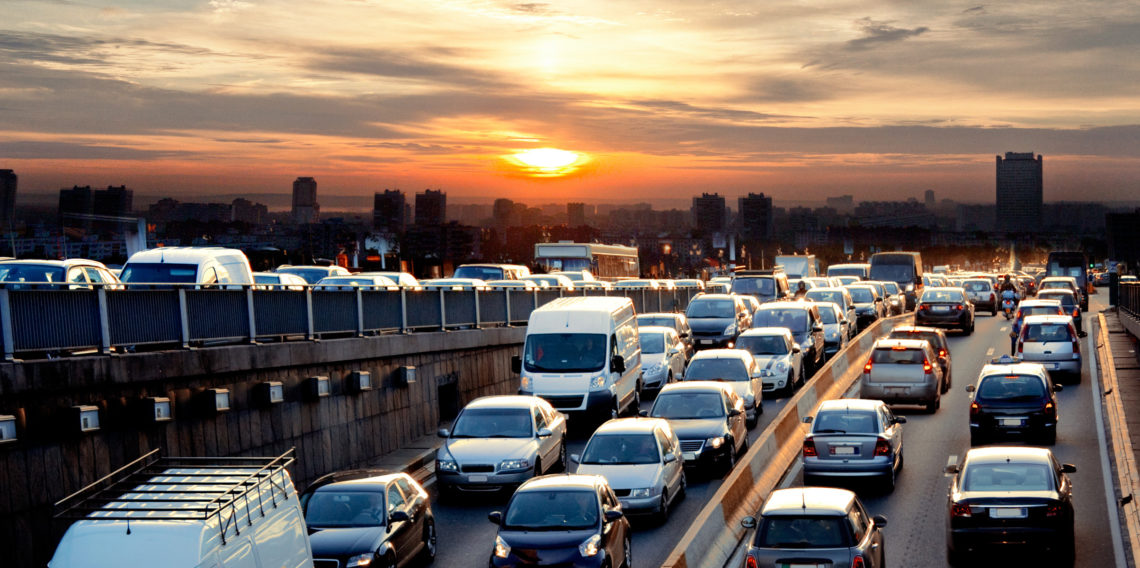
(547, 162)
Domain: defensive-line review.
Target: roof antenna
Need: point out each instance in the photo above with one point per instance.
(803, 500)
(128, 526)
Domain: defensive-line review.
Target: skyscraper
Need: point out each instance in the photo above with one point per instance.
(114, 201)
(431, 208)
(388, 211)
(576, 214)
(1019, 192)
(305, 207)
(8, 181)
(755, 220)
(930, 203)
(709, 213)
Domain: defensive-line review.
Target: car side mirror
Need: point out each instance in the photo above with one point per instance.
(443, 433)
(817, 327)
(735, 412)
(576, 458)
(1068, 468)
(969, 388)
(796, 348)
(1058, 388)
(545, 433)
(1082, 334)
(899, 420)
(495, 517)
(684, 335)
(643, 413)
(516, 364)
(878, 300)
(808, 419)
(880, 521)
(612, 515)
(670, 457)
(748, 522)
(952, 469)
(673, 352)
(398, 517)
(617, 364)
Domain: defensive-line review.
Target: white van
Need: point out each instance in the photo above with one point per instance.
(188, 513)
(188, 265)
(583, 354)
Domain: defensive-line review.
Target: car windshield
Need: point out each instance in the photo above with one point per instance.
(828, 316)
(763, 344)
(1046, 332)
(557, 510)
(826, 296)
(564, 352)
(942, 296)
(713, 308)
(893, 272)
(844, 422)
(1011, 388)
(900, 356)
(688, 405)
(847, 271)
(891, 287)
(794, 319)
(1008, 476)
(716, 370)
(159, 273)
(976, 286)
(345, 509)
(652, 342)
(862, 295)
(493, 423)
(479, 272)
(621, 449)
(311, 275)
(30, 273)
(646, 321)
(802, 532)
(756, 286)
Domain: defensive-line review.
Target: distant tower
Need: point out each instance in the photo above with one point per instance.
(755, 216)
(431, 208)
(305, 207)
(709, 213)
(388, 210)
(576, 214)
(1019, 192)
(930, 199)
(7, 197)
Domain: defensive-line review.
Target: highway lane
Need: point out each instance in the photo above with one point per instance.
(916, 510)
(466, 536)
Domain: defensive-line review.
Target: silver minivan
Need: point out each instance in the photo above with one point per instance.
(903, 371)
(1052, 341)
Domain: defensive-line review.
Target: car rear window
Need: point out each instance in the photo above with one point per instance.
(902, 356)
(1011, 388)
(803, 532)
(794, 319)
(1008, 477)
(1045, 332)
(845, 422)
(763, 344)
(711, 309)
(862, 295)
(762, 286)
(942, 296)
(976, 286)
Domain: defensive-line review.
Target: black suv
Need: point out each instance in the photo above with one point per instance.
(717, 319)
(1013, 400)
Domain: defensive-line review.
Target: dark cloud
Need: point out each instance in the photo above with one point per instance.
(30, 149)
(976, 10)
(783, 89)
(690, 111)
(25, 46)
(403, 65)
(877, 33)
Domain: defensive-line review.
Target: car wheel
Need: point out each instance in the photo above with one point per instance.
(428, 554)
(389, 561)
(663, 512)
(993, 312)
(627, 555)
(750, 423)
(537, 467)
(635, 406)
(889, 481)
(563, 466)
(790, 386)
(682, 490)
(729, 458)
(955, 557)
(932, 407)
(669, 379)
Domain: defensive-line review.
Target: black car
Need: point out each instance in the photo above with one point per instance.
(1010, 497)
(1013, 400)
(802, 319)
(1069, 303)
(868, 304)
(717, 319)
(945, 307)
(368, 518)
(562, 520)
(708, 418)
(938, 342)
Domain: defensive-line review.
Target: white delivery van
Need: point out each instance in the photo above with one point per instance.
(188, 265)
(187, 513)
(583, 355)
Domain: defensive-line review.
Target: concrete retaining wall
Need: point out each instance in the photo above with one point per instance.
(50, 460)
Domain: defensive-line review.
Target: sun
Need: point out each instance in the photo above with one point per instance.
(547, 162)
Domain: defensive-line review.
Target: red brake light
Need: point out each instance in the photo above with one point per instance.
(1050, 409)
(1053, 511)
(975, 409)
(959, 306)
(926, 367)
(882, 448)
(809, 449)
(867, 367)
(959, 510)
(941, 352)
(858, 562)
(992, 297)
(750, 563)
(1076, 312)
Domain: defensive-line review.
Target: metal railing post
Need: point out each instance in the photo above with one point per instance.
(252, 314)
(6, 324)
(309, 314)
(104, 322)
(359, 312)
(403, 310)
(442, 311)
(184, 313)
(477, 314)
(508, 292)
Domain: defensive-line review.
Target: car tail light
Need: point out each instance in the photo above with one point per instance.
(926, 367)
(975, 409)
(858, 562)
(750, 563)
(941, 352)
(882, 448)
(1050, 410)
(923, 307)
(1076, 312)
(867, 367)
(960, 510)
(1053, 511)
(958, 307)
(809, 449)
(993, 297)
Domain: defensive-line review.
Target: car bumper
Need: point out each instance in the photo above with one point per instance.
(655, 379)
(874, 467)
(551, 558)
(771, 384)
(917, 393)
(640, 505)
(1064, 366)
(707, 456)
(976, 538)
(482, 482)
(713, 342)
(934, 320)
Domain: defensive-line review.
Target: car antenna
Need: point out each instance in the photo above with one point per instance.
(803, 501)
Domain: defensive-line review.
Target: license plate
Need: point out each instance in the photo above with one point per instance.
(1052, 366)
(801, 565)
(941, 308)
(706, 342)
(1011, 422)
(1008, 513)
(689, 456)
(477, 478)
(843, 450)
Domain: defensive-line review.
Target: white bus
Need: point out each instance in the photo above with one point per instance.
(605, 262)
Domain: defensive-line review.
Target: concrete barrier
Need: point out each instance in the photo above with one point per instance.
(716, 532)
(1127, 475)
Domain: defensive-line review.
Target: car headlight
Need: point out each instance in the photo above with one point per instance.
(715, 443)
(641, 492)
(446, 465)
(598, 382)
(360, 560)
(502, 549)
(749, 399)
(731, 329)
(589, 547)
(514, 465)
(781, 366)
(655, 367)
(525, 384)
(910, 287)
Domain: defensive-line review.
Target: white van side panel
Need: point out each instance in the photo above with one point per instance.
(284, 542)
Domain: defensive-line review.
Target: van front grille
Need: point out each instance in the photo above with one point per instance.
(564, 401)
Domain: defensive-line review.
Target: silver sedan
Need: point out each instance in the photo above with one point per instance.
(853, 439)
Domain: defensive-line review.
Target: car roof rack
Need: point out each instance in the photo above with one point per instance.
(156, 488)
(1005, 360)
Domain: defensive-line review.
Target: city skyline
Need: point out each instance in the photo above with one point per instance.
(882, 102)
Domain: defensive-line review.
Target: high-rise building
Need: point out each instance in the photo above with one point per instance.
(575, 214)
(501, 212)
(755, 216)
(305, 207)
(8, 181)
(930, 203)
(74, 204)
(114, 201)
(246, 211)
(709, 213)
(431, 208)
(1019, 192)
(388, 211)
(844, 204)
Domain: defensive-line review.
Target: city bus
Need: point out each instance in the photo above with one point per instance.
(605, 262)
(1074, 264)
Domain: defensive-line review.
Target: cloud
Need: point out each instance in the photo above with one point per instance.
(877, 33)
(33, 150)
(402, 65)
(76, 50)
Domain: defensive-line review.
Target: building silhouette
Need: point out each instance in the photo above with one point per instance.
(113, 201)
(305, 207)
(431, 208)
(388, 211)
(709, 213)
(1019, 192)
(8, 181)
(755, 220)
(246, 211)
(575, 214)
(929, 200)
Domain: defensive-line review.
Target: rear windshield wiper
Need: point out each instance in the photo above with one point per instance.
(831, 431)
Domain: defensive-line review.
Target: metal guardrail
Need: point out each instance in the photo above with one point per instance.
(1129, 299)
(56, 322)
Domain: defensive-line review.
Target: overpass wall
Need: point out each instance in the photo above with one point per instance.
(51, 458)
